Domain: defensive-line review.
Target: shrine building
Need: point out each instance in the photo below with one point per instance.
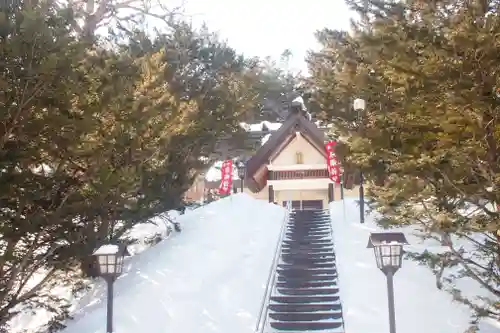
(292, 166)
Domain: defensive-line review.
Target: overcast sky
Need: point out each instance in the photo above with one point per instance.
(268, 27)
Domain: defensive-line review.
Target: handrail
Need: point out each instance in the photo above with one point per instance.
(272, 275)
(338, 279)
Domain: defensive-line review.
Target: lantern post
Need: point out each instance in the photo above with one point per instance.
(109, 259)
(359, 106)
(388, 250)
(241, 173)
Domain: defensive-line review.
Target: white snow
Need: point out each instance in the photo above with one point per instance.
(146, 234)
(299, 100)
(209, 278)
(420, 306)
(107, 249)
(257, 127)
(265, 138)
(63, 287)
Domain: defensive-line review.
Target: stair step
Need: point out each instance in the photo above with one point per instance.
(304, 307)
(307, 278)
(306, 284)
(308, 246)
(308, 291)
(306, 272)
(307, 241)
(307, 252)
(304, 236)
(309, 229)
(304, 326)
(304, 316)
(307, 265)
(301, 221)
(296, 255)
(319, 223)
(304, 299)
(297, 235)
(293, 260)
(313, 224)
(310, 232)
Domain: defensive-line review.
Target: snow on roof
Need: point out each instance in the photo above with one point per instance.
(420, 306)
(265, 138)
(258, 126)
(209, 277)
(214, 173)
(107, 249)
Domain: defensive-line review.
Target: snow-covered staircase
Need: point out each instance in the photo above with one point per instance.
(305, 295)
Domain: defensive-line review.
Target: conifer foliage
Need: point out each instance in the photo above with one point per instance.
(428, 141)
(96, 138)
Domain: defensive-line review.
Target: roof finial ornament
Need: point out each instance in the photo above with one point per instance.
(298, 107)
(299, 102)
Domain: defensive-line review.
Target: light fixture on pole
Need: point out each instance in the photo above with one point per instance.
(109, 259)
(388, 250)
(359, 106)
(241, 173)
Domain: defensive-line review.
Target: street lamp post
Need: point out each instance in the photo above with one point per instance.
(360, 106)
(110, 263)
(342, 186)
(388, 249)
(241, 173)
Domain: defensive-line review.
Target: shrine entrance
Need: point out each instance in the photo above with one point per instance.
(306, 204)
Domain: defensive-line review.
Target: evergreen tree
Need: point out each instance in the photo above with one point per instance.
(201, 68)
(38, 86)
(429, 74)
(96, 139)
(276, 87)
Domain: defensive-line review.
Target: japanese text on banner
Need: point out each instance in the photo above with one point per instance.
(226, 177)
(333, 165)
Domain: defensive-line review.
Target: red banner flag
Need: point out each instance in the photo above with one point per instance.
(333, 164)
(226, 177)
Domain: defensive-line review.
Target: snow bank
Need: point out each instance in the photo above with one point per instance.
(209, 277)
(420, 306)
(148, 233)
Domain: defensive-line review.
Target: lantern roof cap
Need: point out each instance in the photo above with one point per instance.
(112, 249)
(107, 249)
(385, 238)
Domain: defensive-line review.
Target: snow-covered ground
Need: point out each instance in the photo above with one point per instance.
(142, 235)
(209, 278)
(420, 306)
